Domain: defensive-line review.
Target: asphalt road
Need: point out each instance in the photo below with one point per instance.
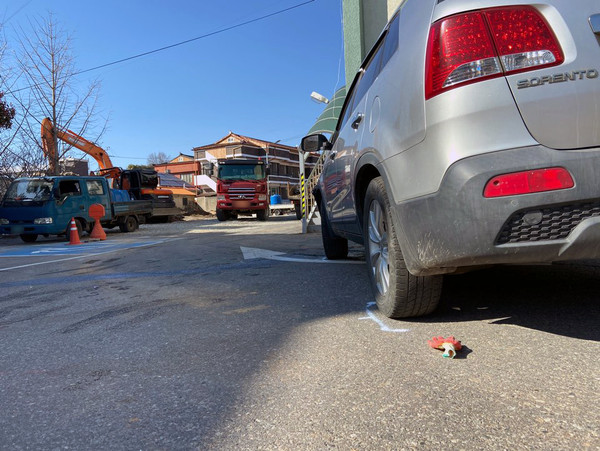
(185, 336)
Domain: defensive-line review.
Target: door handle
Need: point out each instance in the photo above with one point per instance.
(82, 207)
(357, 120)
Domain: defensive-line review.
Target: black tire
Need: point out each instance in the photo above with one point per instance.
(29, 238)
(79, 229)
(398, 293)
(222, 215)
(262, 215)
(335, 248)
(129, 225)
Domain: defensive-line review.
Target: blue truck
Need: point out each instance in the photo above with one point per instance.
(45, 205)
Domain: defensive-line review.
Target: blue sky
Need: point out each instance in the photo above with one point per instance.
(254, 80)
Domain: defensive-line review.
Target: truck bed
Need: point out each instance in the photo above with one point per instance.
(132, 207)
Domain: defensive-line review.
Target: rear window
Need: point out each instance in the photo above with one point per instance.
(95, 187)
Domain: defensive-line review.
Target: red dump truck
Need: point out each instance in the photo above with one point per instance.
(242, 189)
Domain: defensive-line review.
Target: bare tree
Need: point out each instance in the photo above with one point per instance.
(9, 127)
(48, 73)
(7, 113)
(158, 158)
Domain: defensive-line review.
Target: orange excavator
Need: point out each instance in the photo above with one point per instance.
(140, 183)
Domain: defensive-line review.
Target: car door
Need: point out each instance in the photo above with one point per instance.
(330, 177)
(96, 194)
(352, 133)
(71, 201)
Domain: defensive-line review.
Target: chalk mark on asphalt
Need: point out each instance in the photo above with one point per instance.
(381, 324)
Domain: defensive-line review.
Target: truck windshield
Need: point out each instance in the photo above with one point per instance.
(38, 190)
(241, 172)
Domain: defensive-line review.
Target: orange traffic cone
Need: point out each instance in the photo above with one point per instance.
(98, 232)
(73, 233)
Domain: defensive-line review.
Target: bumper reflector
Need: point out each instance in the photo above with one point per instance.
(527, 182)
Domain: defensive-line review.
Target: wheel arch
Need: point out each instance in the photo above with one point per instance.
(367, 171)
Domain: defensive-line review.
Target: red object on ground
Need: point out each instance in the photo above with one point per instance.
(437, 342)
(96, 212)
(73, 233)
(449, 345)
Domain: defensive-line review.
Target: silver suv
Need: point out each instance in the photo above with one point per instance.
(470, 136)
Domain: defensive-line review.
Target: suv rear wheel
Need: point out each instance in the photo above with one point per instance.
(398, 293)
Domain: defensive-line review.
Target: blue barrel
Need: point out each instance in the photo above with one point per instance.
(275, 199)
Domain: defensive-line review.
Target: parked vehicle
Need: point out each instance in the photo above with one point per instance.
(469, 137)
(45, 205)
(142, 184)
(241, 189)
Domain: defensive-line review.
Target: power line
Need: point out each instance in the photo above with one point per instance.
(187, 41)
(17, 11)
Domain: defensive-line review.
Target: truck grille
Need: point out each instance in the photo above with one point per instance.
(550, 223)
(241, 193)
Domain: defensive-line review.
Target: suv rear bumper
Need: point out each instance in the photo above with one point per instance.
(457, 227)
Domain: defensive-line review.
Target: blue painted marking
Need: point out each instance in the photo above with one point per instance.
(65, 249)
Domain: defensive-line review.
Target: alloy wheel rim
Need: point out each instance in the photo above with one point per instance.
(378, 247)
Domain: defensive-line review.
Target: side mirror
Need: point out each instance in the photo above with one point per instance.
(314, 143)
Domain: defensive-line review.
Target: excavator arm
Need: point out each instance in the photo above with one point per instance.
(96, 152)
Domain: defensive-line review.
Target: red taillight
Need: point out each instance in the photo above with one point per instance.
(527, 182)
(523, 38)
(480, 45)
(460, 50)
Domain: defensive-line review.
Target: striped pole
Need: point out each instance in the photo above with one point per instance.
(301, 158)
(303, 195)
